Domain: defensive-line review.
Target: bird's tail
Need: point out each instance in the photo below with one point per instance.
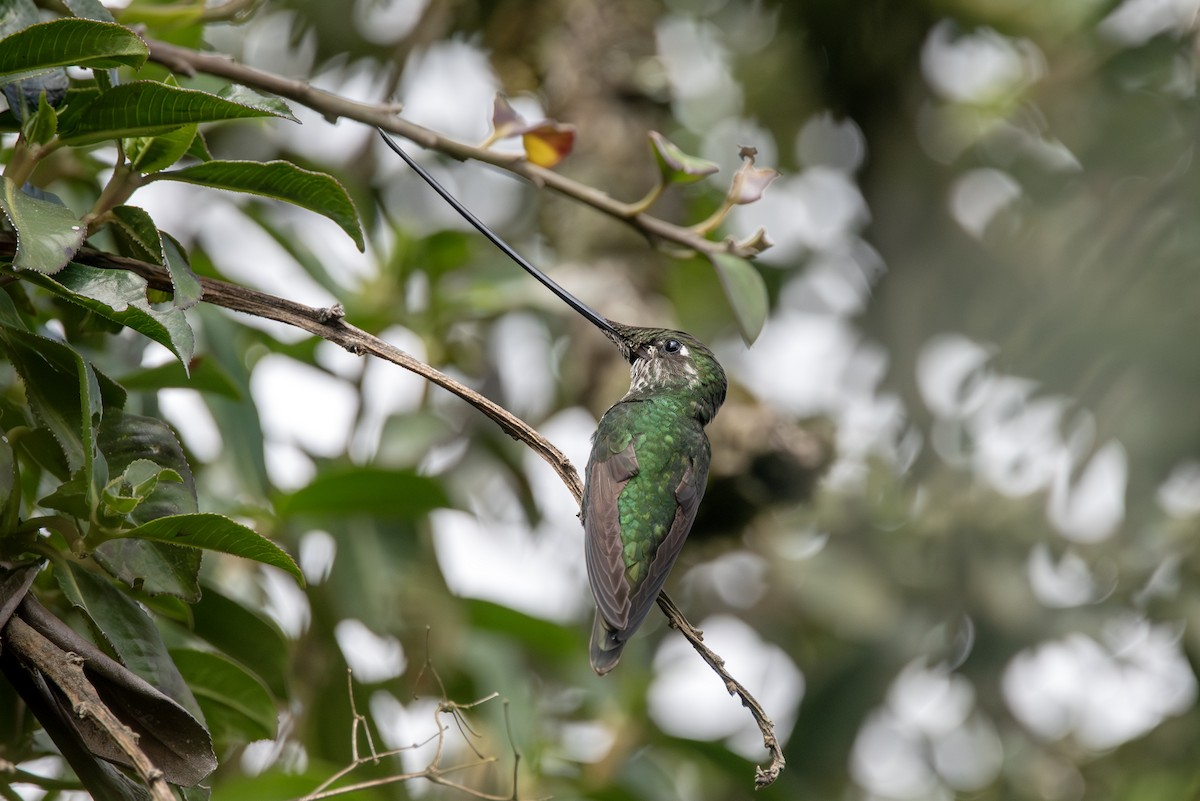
(606, 647)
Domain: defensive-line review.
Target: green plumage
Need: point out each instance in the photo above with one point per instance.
(645, 479)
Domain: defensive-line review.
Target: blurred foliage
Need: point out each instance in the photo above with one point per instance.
(956, 484)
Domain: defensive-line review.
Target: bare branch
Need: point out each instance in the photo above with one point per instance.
(67, 675)
(383, 115)
(763, 777)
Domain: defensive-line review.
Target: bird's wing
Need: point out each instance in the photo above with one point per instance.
(688, 493)
(612, 464)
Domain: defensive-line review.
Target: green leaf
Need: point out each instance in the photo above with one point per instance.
(127, 439)
(216, 533)
(282, 180)
(147, 108)
(186, 288)
(203, 375)
(153, 153)
(48, 234)
(241, 633)
(155, 568)
(54, 375)
(676, 166)
(127, 491)
(42, 126)
(89, 9)
(237, 707)
(248, 97)
(130, 631)
(71, 42)
(120, 296)
(138, 232)
(746, 292)
(142, 240)
(367, 491)
(10, 489)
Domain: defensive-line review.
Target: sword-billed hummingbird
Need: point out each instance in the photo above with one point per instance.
(649, 461)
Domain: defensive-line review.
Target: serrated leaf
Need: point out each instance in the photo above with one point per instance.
(138, 232)
(120, 296)
(131, 633)
(148, 154)
(48, 234)
(126, 438)
(281, 180)
(89, 9)
(215, 532)
(249, 97)
(676, 166)
(51, 373)
(366, 490)
(146, 108)
(156, 568)
(71, 42)
(186, 289)
(746, 292)
(236, 705)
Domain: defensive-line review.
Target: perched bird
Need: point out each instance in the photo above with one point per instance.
(649, 461)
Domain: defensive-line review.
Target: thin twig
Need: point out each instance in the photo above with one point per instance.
(328, 324)
(383, 115)
(763, 777)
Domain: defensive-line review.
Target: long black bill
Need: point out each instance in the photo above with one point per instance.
(572, 301)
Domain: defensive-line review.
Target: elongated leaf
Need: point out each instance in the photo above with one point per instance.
(120, 296)
(48, 234)
(131, 633)
(236, 705)
(138, 233)
(186, 289)
(10, 490)
(248, 97)
(71, 42)
(369, 491)
(50, 372)
(746, 292)
(203, 375)
(147, 108)
(243, 634)
(214, 532)
(281, 180)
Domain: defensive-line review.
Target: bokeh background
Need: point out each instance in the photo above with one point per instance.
(950, 539)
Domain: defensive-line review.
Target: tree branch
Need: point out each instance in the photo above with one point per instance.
(383, 115)
(68, 676)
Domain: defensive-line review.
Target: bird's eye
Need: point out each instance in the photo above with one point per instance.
(672, 346)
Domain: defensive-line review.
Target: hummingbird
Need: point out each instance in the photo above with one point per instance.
(649, 460)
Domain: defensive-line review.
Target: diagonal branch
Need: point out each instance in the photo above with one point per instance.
(67, 675)
(383, 115)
